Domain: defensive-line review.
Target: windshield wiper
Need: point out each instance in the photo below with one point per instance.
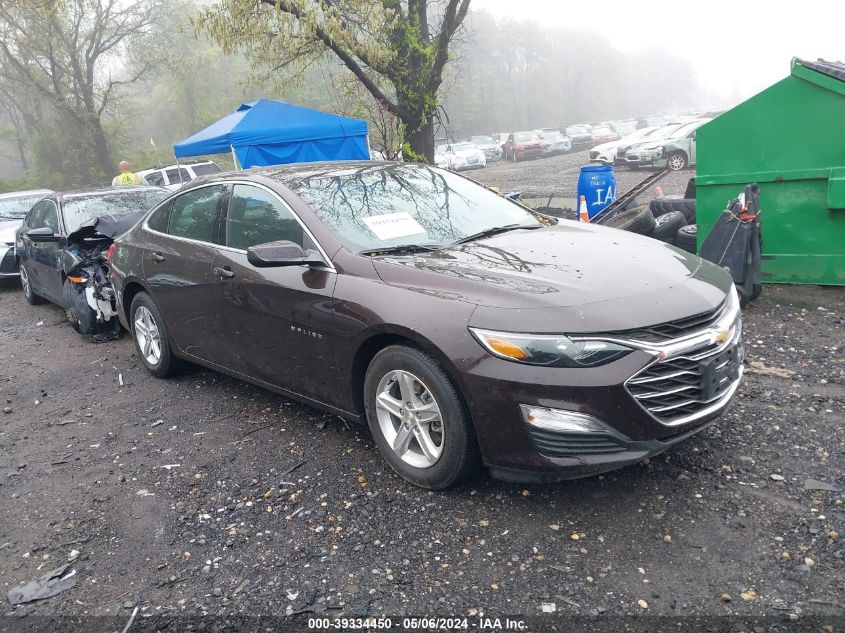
(402, 248)
(495, 231)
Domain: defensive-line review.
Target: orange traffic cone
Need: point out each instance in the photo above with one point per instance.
(583, 215)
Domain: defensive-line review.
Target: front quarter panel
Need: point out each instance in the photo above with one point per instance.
(366, 307)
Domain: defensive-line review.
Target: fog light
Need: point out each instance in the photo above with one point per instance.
(563, 421)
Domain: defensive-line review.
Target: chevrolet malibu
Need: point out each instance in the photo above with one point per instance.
(460, 326)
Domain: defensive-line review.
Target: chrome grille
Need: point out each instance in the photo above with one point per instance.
(671, 330)
(675, 389)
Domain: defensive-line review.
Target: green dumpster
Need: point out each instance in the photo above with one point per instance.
(790, 138)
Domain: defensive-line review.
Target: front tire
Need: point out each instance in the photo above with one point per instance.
(26, 284)
(676, 161)
(152, 340)
(418, 419)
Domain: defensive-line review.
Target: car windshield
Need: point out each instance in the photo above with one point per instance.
(663, 132)
(16, 208)
(78, 208)
(602, 130)
(377, 207)
(685, 129)
(576, 129)
(524, 136)
(552, 136)
(482, 140)
(203, 169)
(462, 147)
(638, 134)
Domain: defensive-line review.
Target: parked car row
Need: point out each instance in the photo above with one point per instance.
(669, 146)
(603, 138)
(411, 299)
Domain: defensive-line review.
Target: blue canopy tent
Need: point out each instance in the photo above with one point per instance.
(267, 132)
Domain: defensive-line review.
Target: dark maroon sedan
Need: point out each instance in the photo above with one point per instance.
(461, 327)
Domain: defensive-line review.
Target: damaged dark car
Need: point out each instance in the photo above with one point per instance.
(461, 326)
(62, 248)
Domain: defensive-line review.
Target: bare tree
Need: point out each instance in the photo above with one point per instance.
(396, 49)
(75, 55)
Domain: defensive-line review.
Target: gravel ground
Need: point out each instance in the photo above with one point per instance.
(557, 176)
(202, 495)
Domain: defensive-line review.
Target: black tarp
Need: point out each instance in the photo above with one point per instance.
(736, 244)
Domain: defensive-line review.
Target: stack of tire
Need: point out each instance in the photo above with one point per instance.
(670, 220)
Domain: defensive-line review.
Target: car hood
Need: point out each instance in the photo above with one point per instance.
(605, 147)
(570, 277)
(466, 153)
(8, 229)
(649, 145)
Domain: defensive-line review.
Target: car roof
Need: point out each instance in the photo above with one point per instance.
(25, 194)
(192, 163)
(285, 174)
(102, 191)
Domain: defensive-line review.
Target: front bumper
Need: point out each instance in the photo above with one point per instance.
(533, 152)
(8, 261)
(645, 401)
(642, 159)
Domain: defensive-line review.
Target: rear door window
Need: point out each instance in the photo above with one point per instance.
(203, 169)
(44, 214)
(256, 216)
(194, 214)
(173, 176)
(160, 218)
(155, 178)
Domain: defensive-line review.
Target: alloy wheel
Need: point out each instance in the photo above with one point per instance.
(147, 336)
(677, 162)
(410, 419)
(27, 289)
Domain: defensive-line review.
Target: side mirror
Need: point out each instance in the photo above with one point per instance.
(43, 234)
(283, 253)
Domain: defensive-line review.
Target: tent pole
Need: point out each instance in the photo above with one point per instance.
(179, 169)
(234, 158)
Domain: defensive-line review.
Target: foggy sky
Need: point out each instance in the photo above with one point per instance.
(738, 47)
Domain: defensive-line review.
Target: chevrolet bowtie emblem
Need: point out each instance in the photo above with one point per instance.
(722, 336)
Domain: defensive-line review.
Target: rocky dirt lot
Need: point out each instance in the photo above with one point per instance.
(202, 495)
(557, 176)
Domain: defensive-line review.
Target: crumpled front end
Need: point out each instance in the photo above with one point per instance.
(90, 301)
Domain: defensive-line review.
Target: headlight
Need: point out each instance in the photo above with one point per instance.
(550, 350)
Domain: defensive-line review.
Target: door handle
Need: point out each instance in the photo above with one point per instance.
(157, 257)
(224, 273)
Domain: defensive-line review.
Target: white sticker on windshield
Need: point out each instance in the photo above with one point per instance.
(393, 225)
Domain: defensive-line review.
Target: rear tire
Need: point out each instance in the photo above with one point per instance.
(636, 220)
(686, 238)
(659, 206)
(667, 226)
(151, 337)
(26, 284)
(429, 442)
